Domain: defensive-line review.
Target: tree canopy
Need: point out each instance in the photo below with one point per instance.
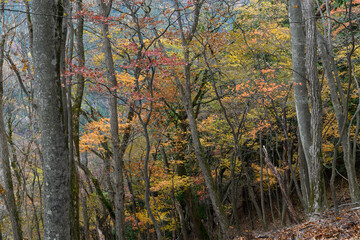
(176, 119)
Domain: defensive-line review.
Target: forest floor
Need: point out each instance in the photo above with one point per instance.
(345, 225)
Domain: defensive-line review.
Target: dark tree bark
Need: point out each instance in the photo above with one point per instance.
(75, 187)
(56, 166)
(80, 53)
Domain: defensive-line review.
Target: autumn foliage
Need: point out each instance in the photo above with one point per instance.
(238, 81)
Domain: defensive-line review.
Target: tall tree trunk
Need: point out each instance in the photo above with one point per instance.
(66, 52)
(310, 125)
(315, 164)
(300, 86)
(75, 187)
(56, 167)
(80, 53)
(4, 148)
(74, 112)
(114, 127)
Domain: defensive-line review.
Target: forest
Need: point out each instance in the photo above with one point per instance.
(179, 119)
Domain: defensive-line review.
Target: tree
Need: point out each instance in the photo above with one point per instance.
(310, 125)
(114, 126)
(339, 99)
(185, 93)
(168, 115)
(56, 166)
(4, 149)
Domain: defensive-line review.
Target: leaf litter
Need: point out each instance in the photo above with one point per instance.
(345, 225)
